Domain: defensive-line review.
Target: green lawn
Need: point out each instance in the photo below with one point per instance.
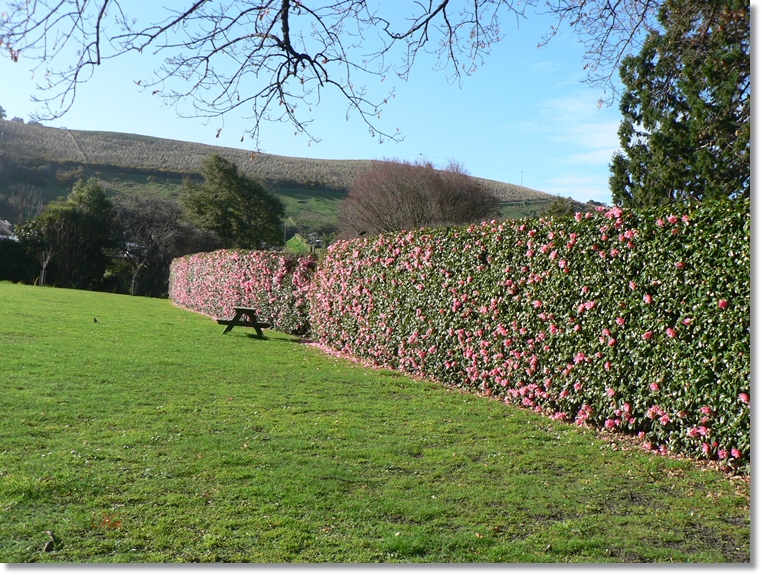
(147, 436)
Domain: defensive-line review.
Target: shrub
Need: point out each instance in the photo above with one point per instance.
(273, 283)
(638, 322)
(394, 196)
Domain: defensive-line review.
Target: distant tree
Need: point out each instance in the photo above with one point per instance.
(394, 196)
(560, 207)
(152, 233)
(21, 204)
(39, 238)
(148, 229)
(77, 234)
(235, 207)
(17, 119)
(685, 133)
(2, 113)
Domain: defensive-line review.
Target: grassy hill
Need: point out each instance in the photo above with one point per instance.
(52, 159)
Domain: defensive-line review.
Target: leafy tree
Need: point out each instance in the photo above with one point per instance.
(394, 196)
(238, 209)
(560, 207)
(276, 59)
(39, 238)
(2, 113)
(686, 107)
(75, 233)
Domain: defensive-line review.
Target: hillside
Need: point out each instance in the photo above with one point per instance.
(51, 159)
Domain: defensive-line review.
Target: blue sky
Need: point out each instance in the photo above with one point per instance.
(524, 117)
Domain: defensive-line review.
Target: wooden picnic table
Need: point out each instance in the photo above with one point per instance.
(251, 321)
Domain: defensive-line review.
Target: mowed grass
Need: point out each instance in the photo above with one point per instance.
(147, 436)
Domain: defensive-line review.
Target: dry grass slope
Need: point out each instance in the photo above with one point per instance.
(25, 143)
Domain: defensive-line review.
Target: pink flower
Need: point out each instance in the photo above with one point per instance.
(612, 342)
(664, 419)
(722, 303)
(671, 332)
(610, 392)
(648, 335)
(735, 453)
(654, 386)
(743, 397)
(659, 222)
(680, 265)
(607, 366)
(609, 424)
(647, 298)
(686, 321)
(619, 321)
(685, 219)
(705, 448)
(632, 285)
(564, 393)
(722, 454)
(706, 410)
(671, 219)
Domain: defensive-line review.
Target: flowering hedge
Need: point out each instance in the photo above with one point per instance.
(633, 322)
(273, 283)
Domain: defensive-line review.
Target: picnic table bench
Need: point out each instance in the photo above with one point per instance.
(251, 321)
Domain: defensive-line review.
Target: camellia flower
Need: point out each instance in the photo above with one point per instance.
(680, 265)
(722, 454)
(654, 386)
(648, 335)
(743, 397)
(610, 392)
(671, 332)
(647, 298)
(619, 321)
(722, 303)
(735, 453)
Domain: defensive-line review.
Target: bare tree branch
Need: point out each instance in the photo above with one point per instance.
(274, 59)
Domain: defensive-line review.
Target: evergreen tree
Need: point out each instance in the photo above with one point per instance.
(238, 209)
(686, 107)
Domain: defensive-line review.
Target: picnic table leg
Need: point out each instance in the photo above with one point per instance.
(253, 319)
(232, 323)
